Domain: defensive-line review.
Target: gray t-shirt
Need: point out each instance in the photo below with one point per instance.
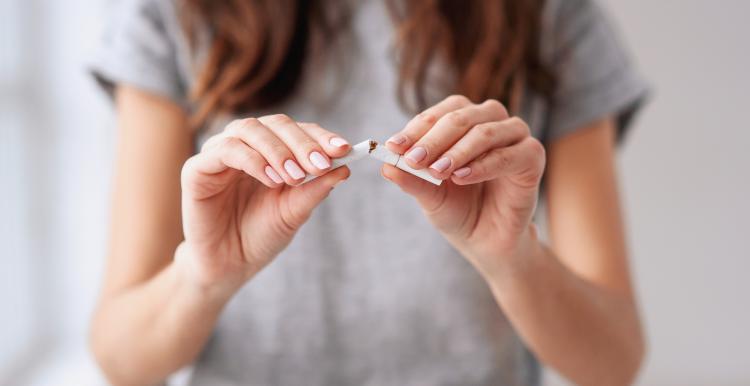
(368, 293)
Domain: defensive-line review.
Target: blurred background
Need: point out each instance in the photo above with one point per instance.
(685, 180)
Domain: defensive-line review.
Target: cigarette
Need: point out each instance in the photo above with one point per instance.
(381, 153)
(358, 151)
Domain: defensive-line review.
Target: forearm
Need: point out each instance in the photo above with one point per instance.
(589, 333)
(145, 333)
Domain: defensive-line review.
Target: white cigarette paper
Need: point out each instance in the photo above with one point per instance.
(381, 153)
(357, 152)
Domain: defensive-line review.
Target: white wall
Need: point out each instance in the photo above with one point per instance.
(686, 179)
(686, 176)
(54, 190)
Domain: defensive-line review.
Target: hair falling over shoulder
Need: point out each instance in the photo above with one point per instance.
(259, 48)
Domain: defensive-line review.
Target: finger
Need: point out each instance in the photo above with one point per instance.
(256, 135)
(423, 122)
(304, 198)
(230, 153)
(523, 163)
(479, 140)
(308, 152)
(427, 194)
(213, 140)
(333, 144)
(449, 129)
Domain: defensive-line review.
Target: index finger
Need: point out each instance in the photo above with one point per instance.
(334, 145)
(422, 123)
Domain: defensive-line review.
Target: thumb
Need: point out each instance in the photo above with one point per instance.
(302, 199)
(428, 195)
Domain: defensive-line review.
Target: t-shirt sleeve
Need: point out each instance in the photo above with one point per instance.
(594, 76)
(136, 49)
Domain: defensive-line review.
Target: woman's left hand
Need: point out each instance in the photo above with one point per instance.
(491, 167)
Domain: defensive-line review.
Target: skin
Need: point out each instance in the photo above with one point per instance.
(235, 219)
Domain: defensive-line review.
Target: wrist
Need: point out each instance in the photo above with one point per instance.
(518, 263)
(191, 280)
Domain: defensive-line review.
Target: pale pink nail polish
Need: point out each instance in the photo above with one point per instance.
(442, 164)
(319, 161)
(337, 184)
(417, 154)
(463, 172)
(397, 139)
(275, 177)
(293, 169)
(338, 142)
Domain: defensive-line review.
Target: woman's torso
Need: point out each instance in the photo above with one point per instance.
(368, 293)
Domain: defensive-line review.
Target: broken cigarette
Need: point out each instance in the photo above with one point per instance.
(357, 152)
(381, 153)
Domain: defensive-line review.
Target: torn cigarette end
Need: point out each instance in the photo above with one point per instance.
(382, 154)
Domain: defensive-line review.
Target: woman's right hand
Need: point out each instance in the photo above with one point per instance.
(240, 206)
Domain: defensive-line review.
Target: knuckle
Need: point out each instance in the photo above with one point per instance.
(210, 143)
(495, 105)
(521, 125)
(459, 154)
(276, 150)
(458, 99)
(485, 169)
(486, 132)
(457, 118)
(429, 119)
(247, 126)
(277, 119)
(539, 153)
(233, 125)
(250, 157)
(227, 144)
(504, 160)
(187, 167)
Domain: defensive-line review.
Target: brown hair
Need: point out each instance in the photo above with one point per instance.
(259, 48)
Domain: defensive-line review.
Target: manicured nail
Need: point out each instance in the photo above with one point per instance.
(442, 164)
(293, 169)
(397, 139)
(319, 161)
(273, 175)
(337, 184)
(463, 172)
(338, 142)
(417, 154)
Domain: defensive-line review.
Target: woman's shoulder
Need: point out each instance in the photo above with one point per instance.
(143, 44)
(595, 76)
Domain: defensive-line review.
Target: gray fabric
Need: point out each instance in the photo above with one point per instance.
(368, 292)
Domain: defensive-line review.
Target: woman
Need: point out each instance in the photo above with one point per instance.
(257, 281)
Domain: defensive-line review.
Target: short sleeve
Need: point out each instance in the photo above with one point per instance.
(138, 49)
(594, 76)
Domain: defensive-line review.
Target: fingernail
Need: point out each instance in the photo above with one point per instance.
(273, 175)
(463, 172)
(397, 139)
(319, 161)
(442, 164)
(293, 169)
(338, 142)
(337, 184)
(417, 154)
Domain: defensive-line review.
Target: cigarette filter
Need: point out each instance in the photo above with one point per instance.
(357, 152)
(382, 153)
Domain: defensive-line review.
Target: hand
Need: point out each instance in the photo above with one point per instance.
(492, 168)
(240, 207)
